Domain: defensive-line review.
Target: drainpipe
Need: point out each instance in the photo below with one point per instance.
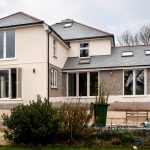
(49, 31)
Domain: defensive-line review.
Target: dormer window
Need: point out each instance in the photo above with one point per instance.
(84, 50)
(127, 54)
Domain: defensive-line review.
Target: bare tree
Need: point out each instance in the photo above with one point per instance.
(126, 38)
(142, 37)
(144, 34)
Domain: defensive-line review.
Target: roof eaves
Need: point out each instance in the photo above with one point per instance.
(105, 67)
(94, 37)
(59, 36)
(19, 25)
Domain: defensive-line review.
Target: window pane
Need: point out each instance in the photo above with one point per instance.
(139, 82)
(84, 53)
(10, 44)
(93, 83)
(1, 44)
(82, 84)
(72, 84)
(13, 83)
(19, 82)
(83, 45)
(4, 83)
(128, 82)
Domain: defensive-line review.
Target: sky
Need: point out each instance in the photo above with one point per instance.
(114, 16)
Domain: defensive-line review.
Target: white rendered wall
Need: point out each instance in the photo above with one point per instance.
(31, 53)
(97, 47)
(61, 53)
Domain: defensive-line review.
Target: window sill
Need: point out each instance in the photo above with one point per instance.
(82, 97)
(85, 57)
(9, 99)
(54, 88)
(134, 96)
(8, 59)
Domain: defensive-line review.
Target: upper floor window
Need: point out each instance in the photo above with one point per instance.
(53, 78)
(84, 50)
(54, 48)
(134, 82)
(7, 44)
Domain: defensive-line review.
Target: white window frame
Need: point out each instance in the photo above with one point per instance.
(54, 48)
(83, 49)
(77, 84)
(134, 84)
(54, 78)
(9, 85)
(4, 48)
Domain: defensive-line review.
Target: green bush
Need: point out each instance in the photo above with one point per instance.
(74, 120)
(36, 123)
(125, 137)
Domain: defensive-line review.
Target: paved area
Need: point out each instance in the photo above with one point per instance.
(2, 140)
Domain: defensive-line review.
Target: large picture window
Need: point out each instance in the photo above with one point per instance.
(134, 82)
(10, 83)
(72, 84)
(83, 84)
(7, 44)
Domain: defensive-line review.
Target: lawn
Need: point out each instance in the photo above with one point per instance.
(66, 148)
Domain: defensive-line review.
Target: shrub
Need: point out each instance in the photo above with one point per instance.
(36, 123)
(125, 137)
(74, 120)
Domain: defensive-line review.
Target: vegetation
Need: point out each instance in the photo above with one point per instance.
(103, 94)
(141, 37)
(40, 124)
(36, 123)
(74, 119)
(69, 148)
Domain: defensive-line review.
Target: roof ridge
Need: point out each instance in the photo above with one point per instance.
(22, 14)
(93, 28)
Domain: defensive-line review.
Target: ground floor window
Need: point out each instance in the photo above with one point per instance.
(83, 84)
(53, 78)
(10, 83)
(134, 82)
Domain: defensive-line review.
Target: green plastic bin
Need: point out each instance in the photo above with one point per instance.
(100, 114)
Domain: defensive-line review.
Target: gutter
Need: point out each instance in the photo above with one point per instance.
(49, 31)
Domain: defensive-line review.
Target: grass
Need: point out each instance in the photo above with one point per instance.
(67, 148)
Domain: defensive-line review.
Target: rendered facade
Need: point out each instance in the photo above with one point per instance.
(67, 61)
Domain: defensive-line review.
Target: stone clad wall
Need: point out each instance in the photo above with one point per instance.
(113, 80)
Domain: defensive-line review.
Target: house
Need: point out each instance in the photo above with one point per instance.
(66, 61)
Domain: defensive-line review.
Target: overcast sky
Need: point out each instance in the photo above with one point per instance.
(113, 16)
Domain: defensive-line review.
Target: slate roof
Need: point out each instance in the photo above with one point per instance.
(78, 31)
(18, 19)
(114, 60)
